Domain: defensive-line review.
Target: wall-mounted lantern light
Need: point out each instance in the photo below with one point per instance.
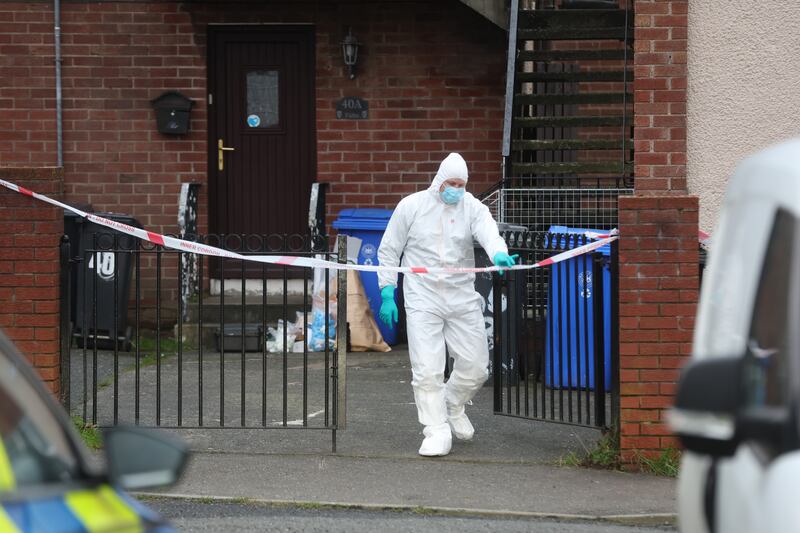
(350, 53)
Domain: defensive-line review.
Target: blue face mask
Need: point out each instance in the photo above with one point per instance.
(451, 195)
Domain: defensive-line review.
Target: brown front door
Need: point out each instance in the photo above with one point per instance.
(262, 120)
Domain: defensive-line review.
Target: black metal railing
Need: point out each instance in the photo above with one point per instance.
(556, 354)
(265, 351)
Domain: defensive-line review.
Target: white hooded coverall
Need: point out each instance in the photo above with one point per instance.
(441, 309)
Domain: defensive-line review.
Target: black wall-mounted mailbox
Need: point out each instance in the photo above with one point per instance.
(172, 112)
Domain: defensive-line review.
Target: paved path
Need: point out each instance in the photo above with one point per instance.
(511, 466)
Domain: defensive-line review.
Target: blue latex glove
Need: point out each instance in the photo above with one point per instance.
(502, 259)
(388, 313)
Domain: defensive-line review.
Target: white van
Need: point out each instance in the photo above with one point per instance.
(737, 410)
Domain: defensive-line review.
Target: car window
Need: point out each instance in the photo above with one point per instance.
(33, 446)
(767, 361)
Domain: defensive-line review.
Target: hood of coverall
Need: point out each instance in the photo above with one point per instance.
(452, 167)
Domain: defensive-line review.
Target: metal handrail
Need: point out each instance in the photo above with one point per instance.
(625, 86)
(510, 78)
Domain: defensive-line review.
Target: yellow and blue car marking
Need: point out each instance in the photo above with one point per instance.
(101, 509)
(95, 509)
(7, 481)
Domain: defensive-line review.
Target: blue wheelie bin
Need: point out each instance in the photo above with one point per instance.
(368, 225)
(571, 321)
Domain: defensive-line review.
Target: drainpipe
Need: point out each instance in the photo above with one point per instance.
(59, 119)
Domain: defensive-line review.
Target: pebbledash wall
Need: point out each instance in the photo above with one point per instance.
(759, 75)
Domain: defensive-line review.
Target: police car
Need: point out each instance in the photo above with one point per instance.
(47, 482)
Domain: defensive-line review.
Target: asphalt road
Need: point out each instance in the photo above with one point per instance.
(207, 516)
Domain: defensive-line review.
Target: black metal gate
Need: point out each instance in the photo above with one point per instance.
(137, 349)
(556, 346)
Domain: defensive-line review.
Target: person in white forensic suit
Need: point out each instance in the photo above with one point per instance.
(436, 228)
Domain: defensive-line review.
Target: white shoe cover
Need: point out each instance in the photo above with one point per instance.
(460, 424)
(438, 441)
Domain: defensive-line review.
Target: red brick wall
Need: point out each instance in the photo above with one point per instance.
(658, 235)
(29, 268)
(658, 295)
(116, 58)
(27, 120)
(432, 72)
(660, 96)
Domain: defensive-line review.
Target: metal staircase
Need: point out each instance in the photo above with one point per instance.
(569, 109)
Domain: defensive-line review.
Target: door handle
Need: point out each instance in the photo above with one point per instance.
(221, 149)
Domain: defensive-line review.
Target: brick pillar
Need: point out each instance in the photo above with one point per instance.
(30, 231)
(658, 283)
(658, 234)
(659, 96)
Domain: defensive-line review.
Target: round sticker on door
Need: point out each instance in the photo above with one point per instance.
(253, 121)
(368, 250)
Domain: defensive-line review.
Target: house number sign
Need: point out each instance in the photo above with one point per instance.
(352, 107)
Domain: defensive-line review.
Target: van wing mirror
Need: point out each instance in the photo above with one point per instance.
(706, 406)
(141, 457)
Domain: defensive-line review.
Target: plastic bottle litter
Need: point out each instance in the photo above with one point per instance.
(275, 337)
